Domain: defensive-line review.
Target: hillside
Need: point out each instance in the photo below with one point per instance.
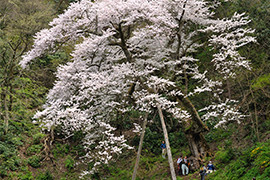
(81, 80)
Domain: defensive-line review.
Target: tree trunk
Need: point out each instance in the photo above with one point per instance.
(229, 89)
(167, 143)
(256, 130)
(198, 147)
(6, 116)
(194, 129)
(140, 148)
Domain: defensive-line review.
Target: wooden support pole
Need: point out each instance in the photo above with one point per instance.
(140, 148)
(167, 142)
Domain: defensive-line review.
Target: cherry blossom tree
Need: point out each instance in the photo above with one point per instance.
(140, 54)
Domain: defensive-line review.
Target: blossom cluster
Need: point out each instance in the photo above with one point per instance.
(144, 44)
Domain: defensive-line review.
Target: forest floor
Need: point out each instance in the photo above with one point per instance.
(193, 176)
(232, 158)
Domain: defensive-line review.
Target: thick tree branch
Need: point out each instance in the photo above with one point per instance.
(123, 43)
(193, 112)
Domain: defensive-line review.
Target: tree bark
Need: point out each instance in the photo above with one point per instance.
(196, 120)
(140, 148)
(123, 43)
(229, 89)
(198, 146)
(167, 142)
(194, 129)
(6, 116)
(256, 116)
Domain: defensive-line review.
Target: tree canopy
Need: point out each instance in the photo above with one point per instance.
(137, 54)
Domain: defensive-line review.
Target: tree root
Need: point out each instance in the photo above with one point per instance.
(47, 142)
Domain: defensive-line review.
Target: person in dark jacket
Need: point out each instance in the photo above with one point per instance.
(210, 167)
(203, 172)
(163, 147)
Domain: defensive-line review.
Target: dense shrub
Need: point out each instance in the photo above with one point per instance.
(254, 162)
(34, 161)
(9, 159)
(60, 150)
(37, 138)
(34, 149)
(224, 156)
(69, 163)
(45, 176)
(153, 139)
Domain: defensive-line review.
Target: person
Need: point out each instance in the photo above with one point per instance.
(163, 147)
(179, 164)
(203, 172)
(185, 166)
(210, 167)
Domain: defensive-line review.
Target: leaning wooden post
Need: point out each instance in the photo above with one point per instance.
(140, 148)
(166, 140)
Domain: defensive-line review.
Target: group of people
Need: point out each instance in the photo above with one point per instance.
(206, 170)
(183, 164)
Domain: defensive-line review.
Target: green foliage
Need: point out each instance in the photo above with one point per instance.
(16, 141)
(78, 149)
(177, 139)
(22, 18)
(219, 134)
(44, 67)
(6, 151)
(151, 167)
(224, 156)
(115, 170)
(11, 163)
(30, 95)
(255, 161)
(69, 163)
(37, 138)
(34, 161)
(34, 149)
(125, 121)
(259, 12)
(61, 5)
(9, 160)
(45, 176)
(23, 90)
(153, 139)
(60, 150)
(26, 176)
(261, 82)
(78, 136)
(122, 174)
